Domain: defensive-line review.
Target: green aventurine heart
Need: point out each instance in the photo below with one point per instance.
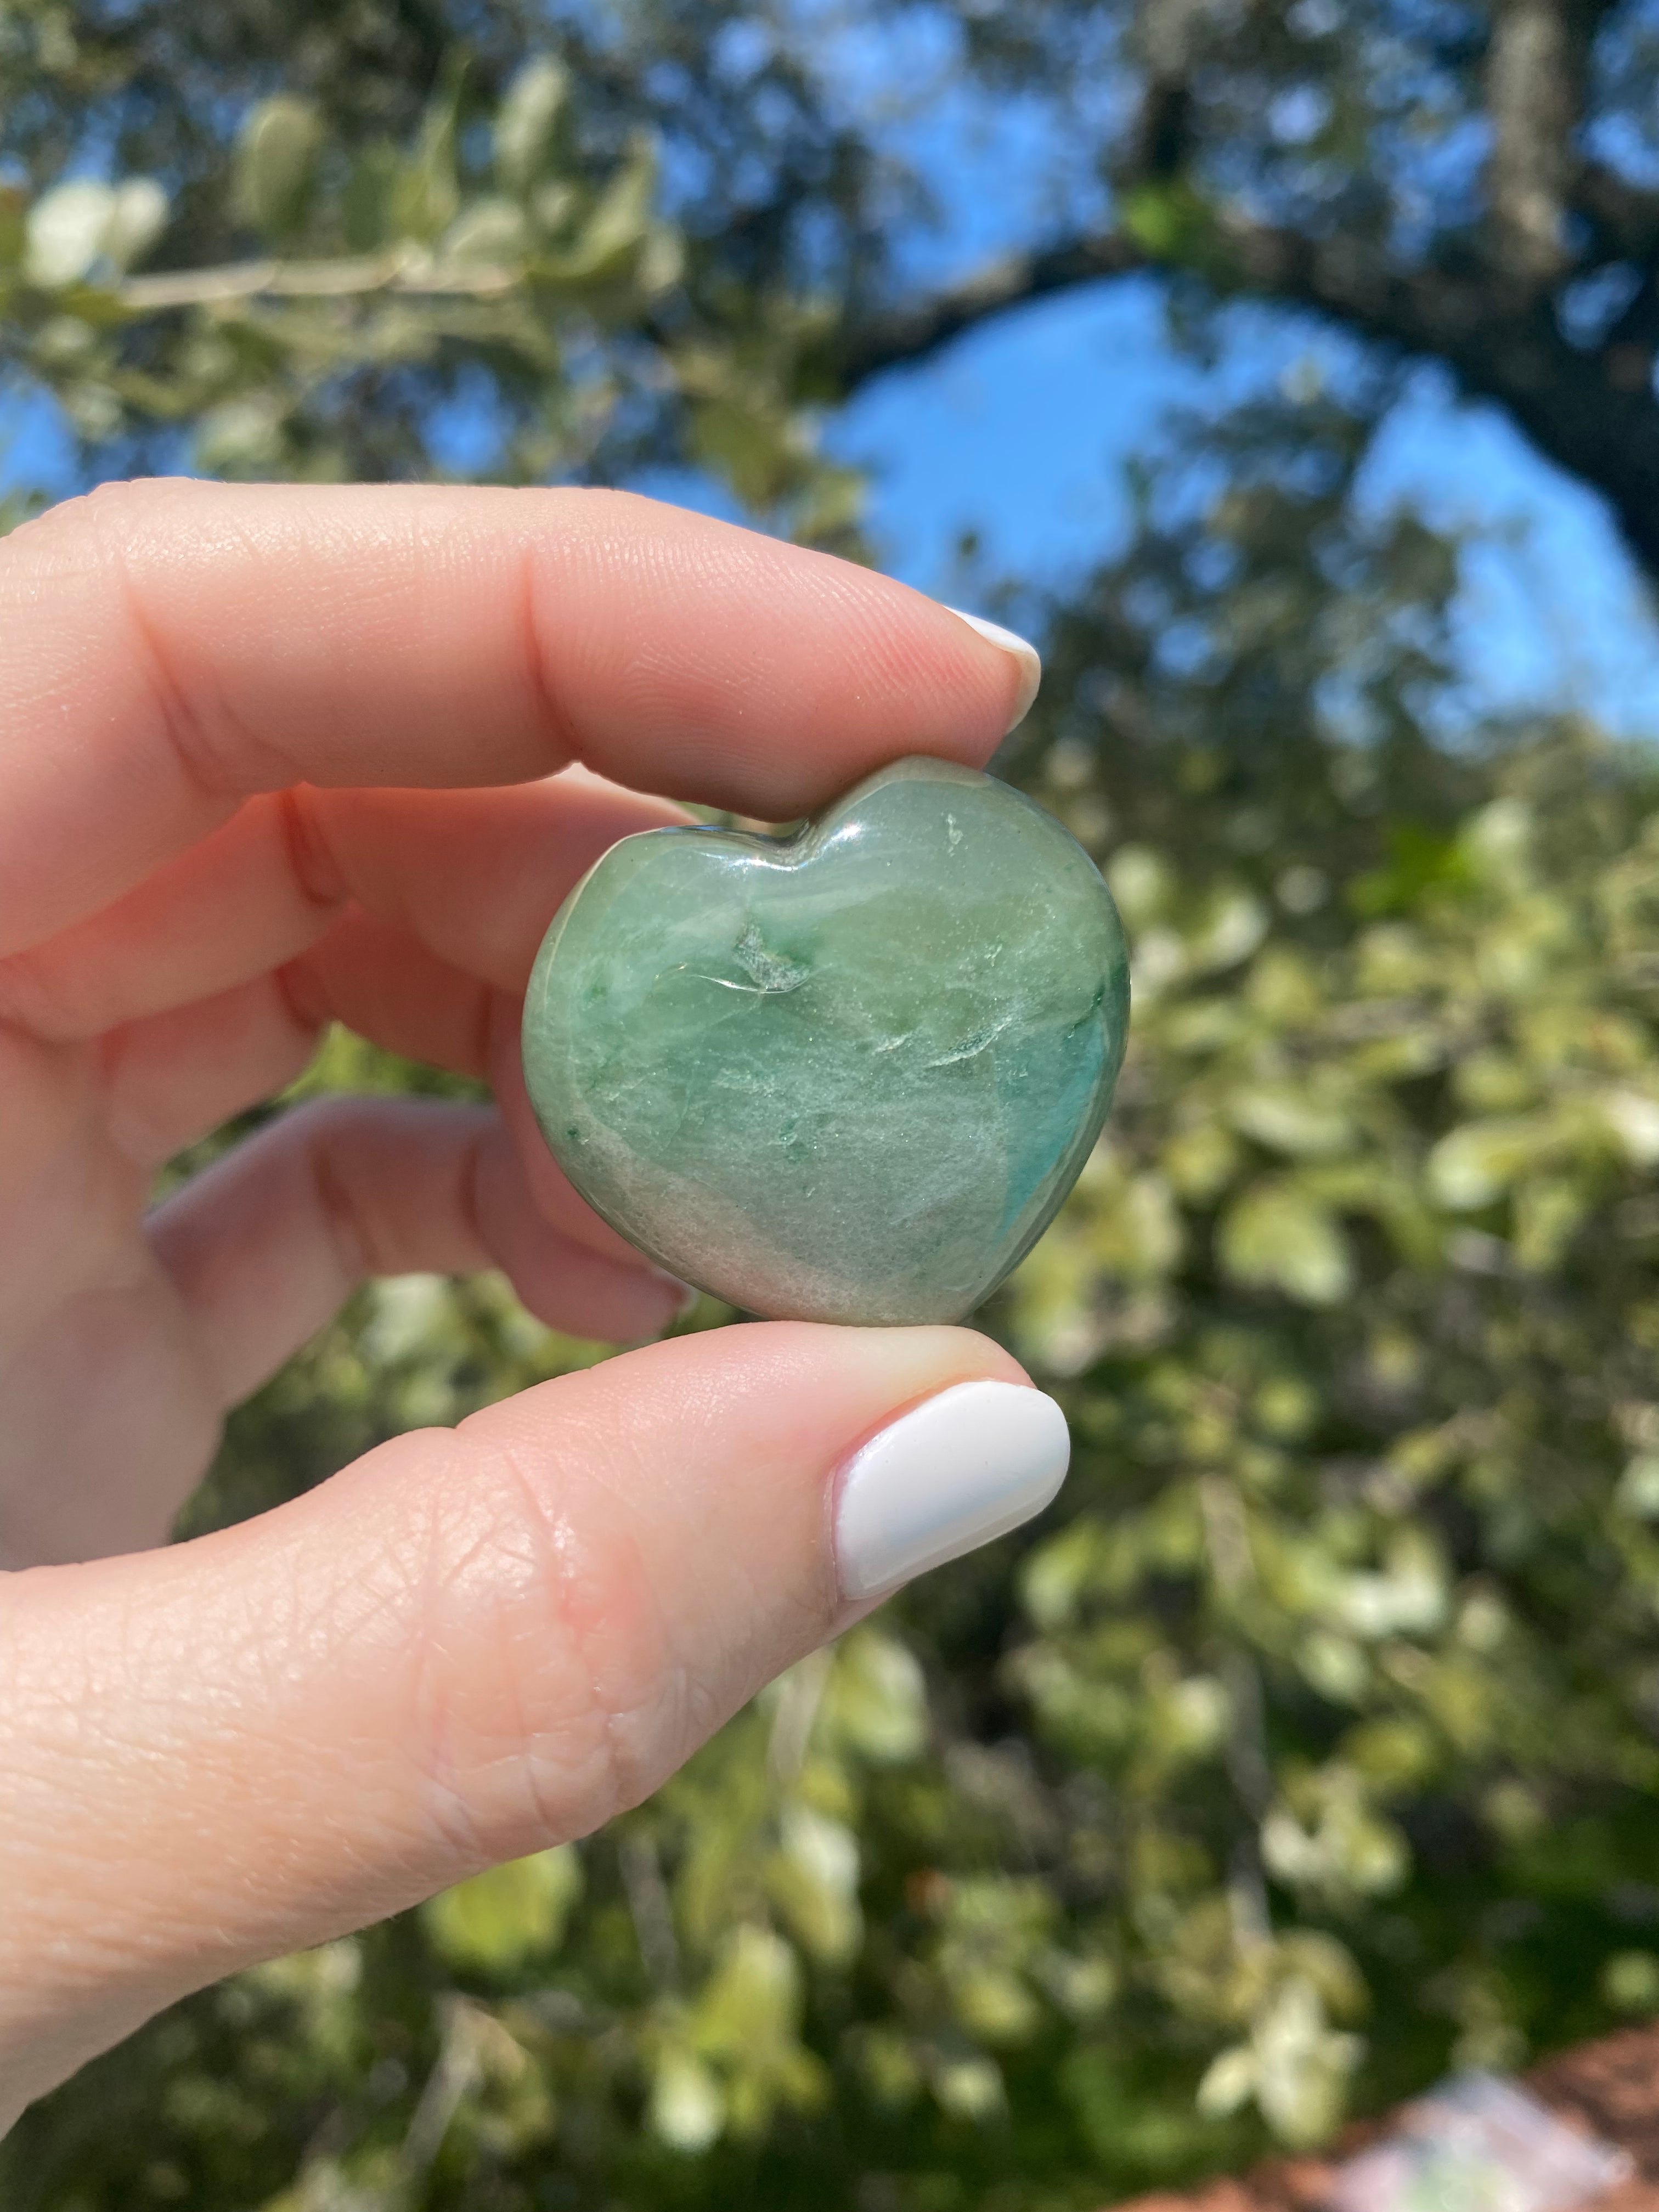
(846, 1077)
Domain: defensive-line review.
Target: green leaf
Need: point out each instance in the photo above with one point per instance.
(747, 2022)
(1168, 222)
(875, 1701)
(688, 2104)
(275, 164)
(1285, 1118)
(1549, 1211)
(1421, 862)
(241, 437)
(502, 1918)
(1638, 1493)
(1229, 2081)
(491, 234)
(366, 205)
(813, 1879)
(1302, 2069)
(752, 2004)
(1275, 1237)
(528, 126)
(618, 222)
(1630, 1982)
(1472, 1166)
(1633, 1118)
(970, 2087)
(426, 197)
(13, 226)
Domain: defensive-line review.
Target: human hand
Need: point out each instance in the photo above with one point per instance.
(272, 757)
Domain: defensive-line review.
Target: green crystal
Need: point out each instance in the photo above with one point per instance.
(847, 1076)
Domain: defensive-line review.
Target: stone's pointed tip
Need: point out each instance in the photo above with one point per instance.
(1025, 653)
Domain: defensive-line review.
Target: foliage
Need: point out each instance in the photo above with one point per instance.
(1311, 1742)
(1309, 1745)
(1358, 1297)
(311, 294)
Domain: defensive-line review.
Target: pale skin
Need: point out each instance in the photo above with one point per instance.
(271, 757)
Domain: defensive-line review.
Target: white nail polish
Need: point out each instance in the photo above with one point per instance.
(949, 1475)
(1031, 661)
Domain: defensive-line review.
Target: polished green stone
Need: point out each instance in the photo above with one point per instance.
(847, 1076)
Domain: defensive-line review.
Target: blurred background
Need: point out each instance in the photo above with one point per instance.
(1288, 371)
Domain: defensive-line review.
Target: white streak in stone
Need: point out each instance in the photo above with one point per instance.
(972, 1047)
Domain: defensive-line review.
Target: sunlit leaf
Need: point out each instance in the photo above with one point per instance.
(66, 232)
(511, 1913)
(276, 153)
(1276, 1237)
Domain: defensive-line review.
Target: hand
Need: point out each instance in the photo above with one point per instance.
(271, 757)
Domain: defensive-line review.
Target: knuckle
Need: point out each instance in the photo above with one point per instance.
(79, 516)
(98, 533)
(548, 1696)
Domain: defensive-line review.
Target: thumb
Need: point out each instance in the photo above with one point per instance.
(472, 1643)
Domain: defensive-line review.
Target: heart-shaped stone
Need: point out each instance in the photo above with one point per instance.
(847, 1076)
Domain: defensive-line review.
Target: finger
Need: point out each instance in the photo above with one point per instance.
(68, 1199)
(174, 647)
(377, 980)
(170, 1079)
(475, 875)
(471, 1645)
(382, 984)
(265, 1246)
(249, 896)
(392, 992)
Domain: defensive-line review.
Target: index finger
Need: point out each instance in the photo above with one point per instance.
(171, 647)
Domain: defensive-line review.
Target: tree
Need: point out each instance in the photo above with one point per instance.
(1465, 181)
(1469, 182)
(1313, 1741)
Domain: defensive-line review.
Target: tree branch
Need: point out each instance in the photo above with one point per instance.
(1594, 412)
(404, 268)
(1537, 64)
(910, 333)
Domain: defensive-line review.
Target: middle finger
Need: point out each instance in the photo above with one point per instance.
(473, 876)
(173, 1077)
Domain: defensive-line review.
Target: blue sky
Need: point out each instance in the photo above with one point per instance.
(1021, 431)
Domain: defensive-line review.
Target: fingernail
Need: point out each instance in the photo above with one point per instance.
(1030, 659)
(945, 1478)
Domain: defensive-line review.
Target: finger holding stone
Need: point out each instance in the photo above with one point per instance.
(175, 646)
(252, 895)
(171, 1079)
(379, 982)
(477, 876)
(474, 875)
